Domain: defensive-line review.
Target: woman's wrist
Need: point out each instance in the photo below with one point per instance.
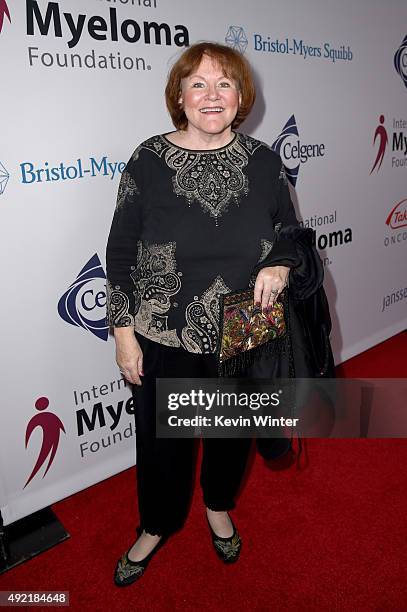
(124, 334)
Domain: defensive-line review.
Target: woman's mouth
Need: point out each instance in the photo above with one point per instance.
(211, 109)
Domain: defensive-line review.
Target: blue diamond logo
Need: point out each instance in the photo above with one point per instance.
(4, 177)
(236, 38)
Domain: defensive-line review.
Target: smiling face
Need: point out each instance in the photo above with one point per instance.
(209, 99)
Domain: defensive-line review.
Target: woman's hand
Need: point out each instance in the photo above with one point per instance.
(129, 356)
(269, 283)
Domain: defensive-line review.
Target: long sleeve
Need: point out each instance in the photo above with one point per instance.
(284, 252)
(293, 247)
(122, 245)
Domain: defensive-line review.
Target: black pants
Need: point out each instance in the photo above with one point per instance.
(164, 465)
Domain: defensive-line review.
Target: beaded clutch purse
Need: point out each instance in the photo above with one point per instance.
(245, 329)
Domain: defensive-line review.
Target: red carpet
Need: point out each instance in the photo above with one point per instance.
(329, 536)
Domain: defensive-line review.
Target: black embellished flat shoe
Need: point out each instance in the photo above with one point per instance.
(227, 549)
(128, 571)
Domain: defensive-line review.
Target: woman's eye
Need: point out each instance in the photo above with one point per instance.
(224, 84)
(198, 84)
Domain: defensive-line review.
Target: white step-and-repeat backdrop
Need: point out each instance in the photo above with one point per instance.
(81, 85)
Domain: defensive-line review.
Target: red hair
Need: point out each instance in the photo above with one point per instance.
(234, 66)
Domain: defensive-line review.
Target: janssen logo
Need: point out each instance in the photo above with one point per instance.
(84, 303)
(294, 152)
(51, 20)
(4, 12)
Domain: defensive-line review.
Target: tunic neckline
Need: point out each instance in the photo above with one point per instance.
(167, 141)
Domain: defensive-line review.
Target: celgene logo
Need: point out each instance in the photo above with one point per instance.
(293, 152)
(84, 304)
(4, 12)
(4, 177)
(236, 38)
(400, 60)
(398, 216)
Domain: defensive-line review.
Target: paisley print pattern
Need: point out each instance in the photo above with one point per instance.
(127, 187)
(283, 176)
(156, 281)
(118, 313)
(201, 333)
(265, 246)
(214, 179)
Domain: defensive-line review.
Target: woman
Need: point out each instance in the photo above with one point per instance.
(194, 218)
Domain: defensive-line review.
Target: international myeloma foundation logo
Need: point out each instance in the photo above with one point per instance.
(4, 12)
(51, 426)
(398, 215)
(380, 135)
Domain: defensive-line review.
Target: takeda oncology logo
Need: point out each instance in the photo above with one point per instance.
(4, 12)
(397, 223)
(293, 152)
(398, 215)
(84, 303)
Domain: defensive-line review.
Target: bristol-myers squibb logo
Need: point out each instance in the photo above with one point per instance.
(4, 177)
(281, 44)
(84, 303)
(294, 152)
(236, 38)
(70, 171)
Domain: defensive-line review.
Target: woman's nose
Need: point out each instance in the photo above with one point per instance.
(212, 92)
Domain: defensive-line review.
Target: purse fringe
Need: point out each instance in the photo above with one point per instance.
(239, 363)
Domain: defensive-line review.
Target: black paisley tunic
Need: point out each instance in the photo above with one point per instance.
(188, 227)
